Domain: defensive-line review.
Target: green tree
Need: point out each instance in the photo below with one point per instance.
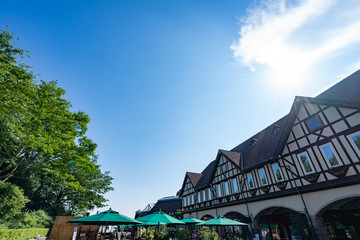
(12, 199)
(43, 146)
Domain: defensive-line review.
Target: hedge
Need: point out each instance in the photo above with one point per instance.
(23, 234)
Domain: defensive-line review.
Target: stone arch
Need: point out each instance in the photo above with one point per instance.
(333, 203)
(273, 208)
(341, 217)
(280, 222)
(233, 215)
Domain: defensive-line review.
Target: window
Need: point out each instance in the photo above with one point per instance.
(188, 200)
(253, 142)
(184, 201)
(226, 186)
(235, 186)
(192, 199)
(313, 123)
(330, 155)
(276, 129)
(219, 190)
(199, 197)
(263, 178)
(355, 141)
(209, 193)
(278, 174)
(250, 181)
(223, 168)
(305, 163)
(188, 186)
(204, 195)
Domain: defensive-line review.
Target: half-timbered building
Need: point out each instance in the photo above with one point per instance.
(301, 172)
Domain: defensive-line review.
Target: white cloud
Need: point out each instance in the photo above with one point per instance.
(290, 37)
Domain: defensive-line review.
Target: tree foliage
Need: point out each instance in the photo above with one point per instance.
(12, 199)
(43, 146)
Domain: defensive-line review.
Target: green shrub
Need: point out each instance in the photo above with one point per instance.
(35, 219)
(22, 234)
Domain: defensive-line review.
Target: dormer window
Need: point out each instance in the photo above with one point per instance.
(276, 129)
(253, 142)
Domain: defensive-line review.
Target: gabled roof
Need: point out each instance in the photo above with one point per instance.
(207, 175)
(167, 205)
(194, 177)
(347, 90)
(232, 156)
(264, 149)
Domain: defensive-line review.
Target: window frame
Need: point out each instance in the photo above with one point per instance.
(226, 188)
(302, 165)
(261, 182)
(317, 128)
(252, 179)
(219, 192)
(282, 176)
(350, 136)
(222, 168)
(235, 184)
(329, 144)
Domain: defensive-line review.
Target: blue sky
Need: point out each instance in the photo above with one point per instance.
(168, 83)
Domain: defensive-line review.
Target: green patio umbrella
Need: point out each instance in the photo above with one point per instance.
(160, 217)
(191, 220)
(109, 217)
(221, 221)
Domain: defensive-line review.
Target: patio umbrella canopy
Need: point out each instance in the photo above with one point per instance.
(191, 220)
(221, 221)
(159, 217)
(109, 217)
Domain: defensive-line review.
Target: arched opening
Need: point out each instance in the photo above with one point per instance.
(282, 223)
(206, 217)
(236, 232)
(342, 218)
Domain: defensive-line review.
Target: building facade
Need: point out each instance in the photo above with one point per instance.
(297, 177)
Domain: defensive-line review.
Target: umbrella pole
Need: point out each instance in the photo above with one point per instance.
(105, 231)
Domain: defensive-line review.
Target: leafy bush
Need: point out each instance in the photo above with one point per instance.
(21, 234)
(209, 233)
(182, 234)
(36, 219)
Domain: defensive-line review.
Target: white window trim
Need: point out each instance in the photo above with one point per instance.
(302, 165)
(282, 176)
(267, 182)
(335, 153)
(352, 142)
(248, 180)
